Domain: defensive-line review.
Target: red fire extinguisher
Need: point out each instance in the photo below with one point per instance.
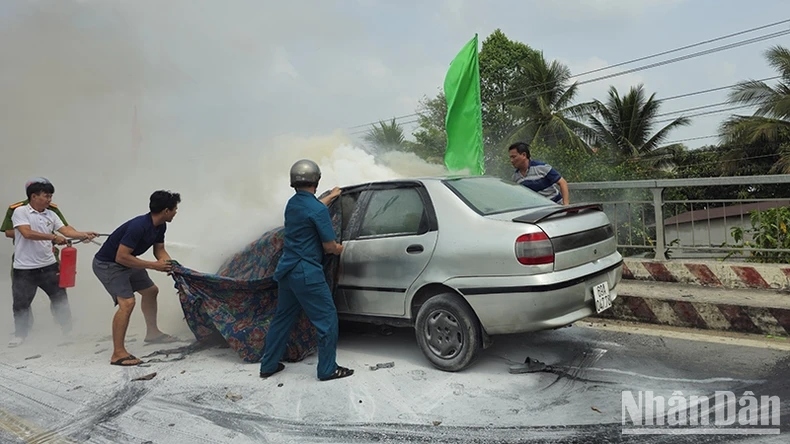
(68, 266)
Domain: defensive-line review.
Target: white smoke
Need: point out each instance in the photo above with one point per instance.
(243, 198)
(97, 97)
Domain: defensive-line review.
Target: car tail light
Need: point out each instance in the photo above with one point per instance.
(534, 249)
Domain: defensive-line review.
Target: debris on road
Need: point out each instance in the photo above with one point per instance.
(596, 410)
(147, 377)
(32, 357)
(436, 423)
(529, 366)
(382, 365)
(234, 397)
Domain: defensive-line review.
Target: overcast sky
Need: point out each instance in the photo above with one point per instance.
(246, 68)
(101, 95)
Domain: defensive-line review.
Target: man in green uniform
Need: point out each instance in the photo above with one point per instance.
(8, 227)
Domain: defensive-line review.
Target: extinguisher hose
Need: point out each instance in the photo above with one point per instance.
(78, 241)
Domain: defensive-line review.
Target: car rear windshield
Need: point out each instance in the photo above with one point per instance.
(490, 195)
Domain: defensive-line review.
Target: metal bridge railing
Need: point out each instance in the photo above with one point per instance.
(648, 225)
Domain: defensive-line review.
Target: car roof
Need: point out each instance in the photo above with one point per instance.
(412, 180)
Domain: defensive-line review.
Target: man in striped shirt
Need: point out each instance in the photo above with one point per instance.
(537, 176)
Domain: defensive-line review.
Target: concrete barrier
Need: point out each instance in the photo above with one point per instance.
(708, 295)
(683, 305)
(710, 273)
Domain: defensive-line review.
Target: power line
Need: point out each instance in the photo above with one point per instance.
(688, 139)
(641, 68)
(704, 42)
(706, 113)
(363, 131)
(384, 120)
(680, 111)
(652, 65)
(705, 91)
(668, 113)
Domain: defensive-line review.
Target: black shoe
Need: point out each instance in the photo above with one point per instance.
(340, 372)
(280, 367)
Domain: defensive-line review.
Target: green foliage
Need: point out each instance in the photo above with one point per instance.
(386, 136)
(499, 61)
(529, 98)
(765, 135)
(430, 137)
(769, 231)
(542, 104)
(625, 125)
(586, 166)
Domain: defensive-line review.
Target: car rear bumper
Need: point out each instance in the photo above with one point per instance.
(517, 304)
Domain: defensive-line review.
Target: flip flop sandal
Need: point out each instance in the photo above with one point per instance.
(122, 361)
(340, 372)
(163, 339)
(280, 367)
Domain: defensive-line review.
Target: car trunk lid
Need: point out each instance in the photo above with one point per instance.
(579, 233)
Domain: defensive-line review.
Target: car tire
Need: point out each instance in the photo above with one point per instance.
(448, 332)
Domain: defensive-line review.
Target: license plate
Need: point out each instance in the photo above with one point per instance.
(603, 300)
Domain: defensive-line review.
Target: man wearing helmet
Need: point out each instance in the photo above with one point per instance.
(36, 228)
(300, 275)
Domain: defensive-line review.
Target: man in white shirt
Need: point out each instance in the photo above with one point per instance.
(36, 228)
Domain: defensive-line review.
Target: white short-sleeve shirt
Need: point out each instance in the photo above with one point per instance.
(31, 254)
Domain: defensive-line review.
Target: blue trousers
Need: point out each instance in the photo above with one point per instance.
(303, 288)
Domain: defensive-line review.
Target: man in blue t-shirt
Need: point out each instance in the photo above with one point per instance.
(300, 275)
(537, 176)
(122, 273)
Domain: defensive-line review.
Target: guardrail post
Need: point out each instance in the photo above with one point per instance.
(658, 207)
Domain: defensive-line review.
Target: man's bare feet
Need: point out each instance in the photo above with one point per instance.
(160, 338)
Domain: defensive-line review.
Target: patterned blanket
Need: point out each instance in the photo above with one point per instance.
(238, 302)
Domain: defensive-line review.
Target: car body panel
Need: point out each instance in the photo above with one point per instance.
(375, 274)
(517, 304)
(391, 239)
(474, 255)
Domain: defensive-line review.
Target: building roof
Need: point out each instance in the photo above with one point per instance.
(729, 211)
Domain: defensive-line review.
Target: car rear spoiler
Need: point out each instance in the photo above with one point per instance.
(541, 214)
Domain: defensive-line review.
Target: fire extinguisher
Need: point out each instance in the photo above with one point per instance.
(68, 266)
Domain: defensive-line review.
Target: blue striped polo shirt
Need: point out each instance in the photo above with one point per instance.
(541, 178)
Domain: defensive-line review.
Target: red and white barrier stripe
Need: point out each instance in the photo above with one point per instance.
(710, 273)
(701, 315)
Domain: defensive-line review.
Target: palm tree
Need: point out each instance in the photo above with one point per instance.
(768, 129)
(387, 136)
(624, 125)
(543, 105)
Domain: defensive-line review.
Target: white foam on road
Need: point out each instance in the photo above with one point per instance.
(212, 396)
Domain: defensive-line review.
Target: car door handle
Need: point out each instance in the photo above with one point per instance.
(416, 248)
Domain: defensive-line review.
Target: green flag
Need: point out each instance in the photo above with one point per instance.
(464, 119)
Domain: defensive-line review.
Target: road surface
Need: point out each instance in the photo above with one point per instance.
(55, 391)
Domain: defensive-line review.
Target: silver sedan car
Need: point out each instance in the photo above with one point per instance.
(464, 258)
